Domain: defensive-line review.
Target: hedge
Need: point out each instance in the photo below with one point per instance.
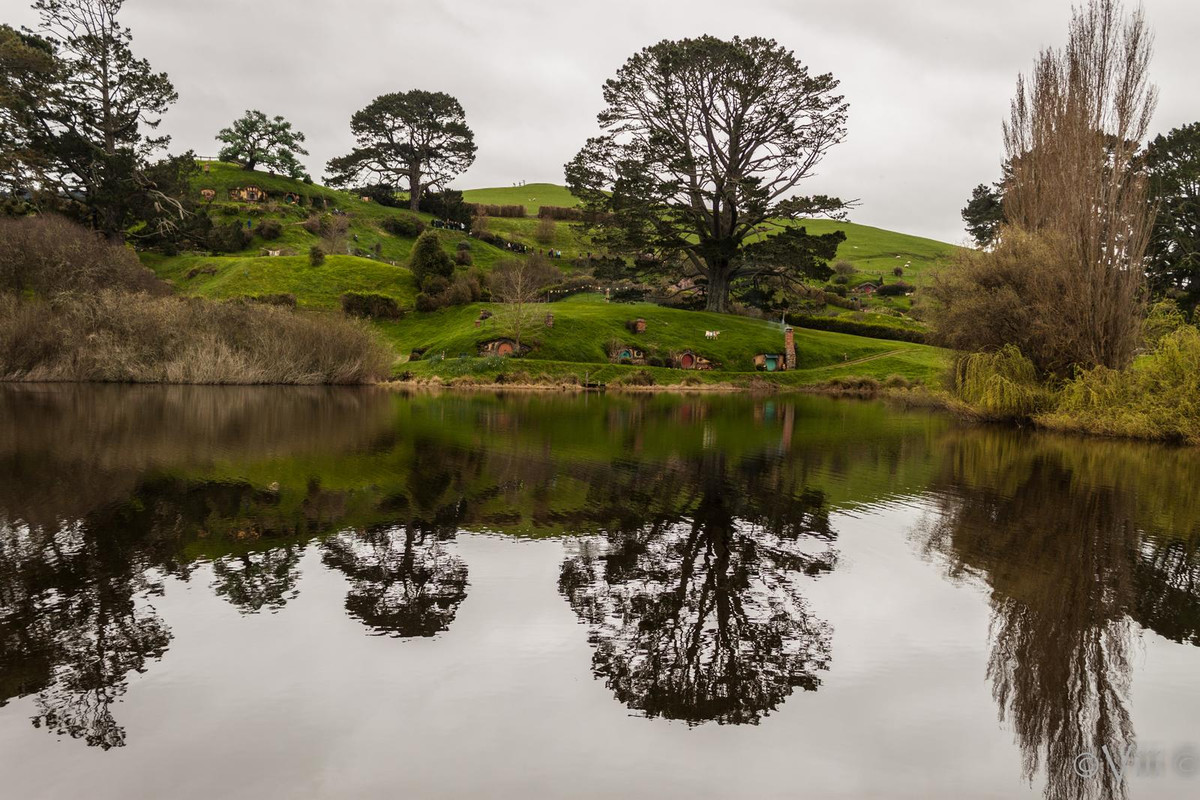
(869, 329)
(371, 306)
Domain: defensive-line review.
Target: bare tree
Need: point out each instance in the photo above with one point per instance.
(1065, 280)
(515, 283)
(1072, 140)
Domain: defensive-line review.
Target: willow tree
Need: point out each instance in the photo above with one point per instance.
(415, 139)
(704, 143)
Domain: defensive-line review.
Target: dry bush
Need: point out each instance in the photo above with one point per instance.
(48, 254)
(546, 229)
(114, 336)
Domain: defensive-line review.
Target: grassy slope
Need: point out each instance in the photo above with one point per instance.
(584, 324)
(314, 287)
(251, 272)
(530, 195)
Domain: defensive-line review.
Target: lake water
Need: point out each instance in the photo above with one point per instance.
(295, 593)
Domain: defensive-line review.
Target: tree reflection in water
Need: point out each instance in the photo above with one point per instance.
(403, 581)
(1071, 568)
(74, 622)
(695, 612)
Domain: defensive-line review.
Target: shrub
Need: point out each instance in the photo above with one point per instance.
(898, 271)
(546, 229)
(205, 270)
(429, 259)
(230, 237)
(639, 377)
(269, 229)
(1030, 291)
(843, 325)
(405, 225)
(115, 336)
(463, 258)
(898, 289)
(465, 289)
(628, 294)
(370, 306)
(999, 385)
(492, 210)
(285, 299)
(840, 280)
(48, 254)
(425, 302)
(844, 269)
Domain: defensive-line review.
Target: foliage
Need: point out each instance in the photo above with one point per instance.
(897, 289)
(984, 214)
(371, 306)
(316, 255)
(999, 385)
(77, 107)
(545, 230)
(1156, 398)
(447, 204)
(407, 225)
(416, 139)
(1173, 163)
(694, 181)
(382, 193)
(494, 210)
(230, 237)
(46, 255)
(856, 328)
(269, 229)
(113, 336)
(1072, 142)
(429, 259)
(255, 139)
(285, 299)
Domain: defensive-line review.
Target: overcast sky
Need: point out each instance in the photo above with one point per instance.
(928, 82)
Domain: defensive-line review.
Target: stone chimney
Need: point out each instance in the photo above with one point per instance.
(789, 347)
(549, 320)
(639, 326)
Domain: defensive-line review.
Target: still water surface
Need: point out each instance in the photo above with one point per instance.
(260, 593)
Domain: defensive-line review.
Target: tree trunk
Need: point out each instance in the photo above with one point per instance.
(414, 189)
(717, 296)
(250, 164)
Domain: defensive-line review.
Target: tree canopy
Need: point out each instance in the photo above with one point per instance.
(416, 139)
(1173, 164)
(78, 110)
(984, 214)
(255, 139)
(703, 145)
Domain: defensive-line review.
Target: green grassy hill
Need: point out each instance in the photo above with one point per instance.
(584, 325)
(531, 195)
(314, 287)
